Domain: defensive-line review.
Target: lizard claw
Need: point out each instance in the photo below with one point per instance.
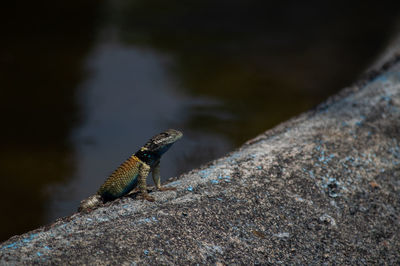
(145, 196)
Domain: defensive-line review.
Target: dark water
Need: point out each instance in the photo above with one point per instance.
(85, 83)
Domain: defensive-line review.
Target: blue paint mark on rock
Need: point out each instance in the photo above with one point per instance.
(146, 252)
(381, 78)
(174, 183)
(214, 181)
(205, 173)
(12, 245)
(190, 188)
(311, 173)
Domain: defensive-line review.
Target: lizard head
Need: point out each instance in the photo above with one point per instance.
(159, 144)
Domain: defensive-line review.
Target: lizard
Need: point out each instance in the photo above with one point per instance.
(133, 172)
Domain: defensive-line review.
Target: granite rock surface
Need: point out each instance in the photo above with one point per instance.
(323, 187)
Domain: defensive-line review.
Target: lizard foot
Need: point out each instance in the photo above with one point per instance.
(145, 196)
(166, 188)
(133, 191)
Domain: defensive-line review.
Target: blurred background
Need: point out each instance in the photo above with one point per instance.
(83, 84)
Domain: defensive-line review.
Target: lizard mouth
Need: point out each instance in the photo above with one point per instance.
(173, 135)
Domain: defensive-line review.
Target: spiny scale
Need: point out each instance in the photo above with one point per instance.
(121, 180)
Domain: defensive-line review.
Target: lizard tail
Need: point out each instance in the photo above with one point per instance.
(90, 203)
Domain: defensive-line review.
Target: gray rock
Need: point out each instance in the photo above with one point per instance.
(322, 188)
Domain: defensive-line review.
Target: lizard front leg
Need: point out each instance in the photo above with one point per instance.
(157, 178)
(144, 171)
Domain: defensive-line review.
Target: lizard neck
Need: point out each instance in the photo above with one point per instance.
(148, 157)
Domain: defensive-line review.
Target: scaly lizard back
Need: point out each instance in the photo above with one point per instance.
(122, 180)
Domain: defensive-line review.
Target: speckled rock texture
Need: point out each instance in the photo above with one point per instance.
(322, 188)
